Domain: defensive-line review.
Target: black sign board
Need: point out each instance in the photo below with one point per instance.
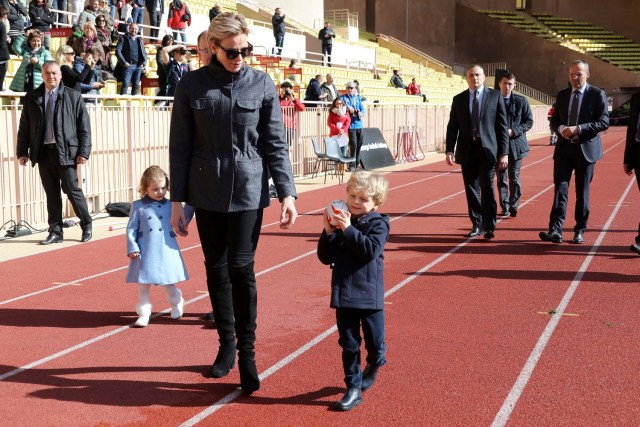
(375, 151)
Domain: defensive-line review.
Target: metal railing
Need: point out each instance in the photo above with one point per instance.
(341, 18)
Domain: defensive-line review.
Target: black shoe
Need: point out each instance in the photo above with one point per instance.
(52, 238)
(351, 399)
(225, 361)
(369, 376)
(551, 236)
(489, 234)
(578, 238)
(505, 212)
(635, 248)
(475, 231)
(513, 213)
(86, 233)
(249, 381)
(207, 316)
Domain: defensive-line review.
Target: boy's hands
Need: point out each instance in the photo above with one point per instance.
(343, 219)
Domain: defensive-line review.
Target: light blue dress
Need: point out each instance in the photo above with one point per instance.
(149, 232)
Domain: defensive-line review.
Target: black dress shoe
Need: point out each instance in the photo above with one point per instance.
(635, 248)
(52, 238)
(578, 238)
(86, 233)
(351, 399)
(475, 231)
(369, 376)
(207, 316)
(489, 234)
(513, 213)
(551, 236)
(504, 212)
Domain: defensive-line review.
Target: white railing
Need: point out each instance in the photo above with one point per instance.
(128, 137)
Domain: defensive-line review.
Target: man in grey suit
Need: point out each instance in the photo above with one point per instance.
(477, 133)
(579, 117)
(519, 122)
(631, 161)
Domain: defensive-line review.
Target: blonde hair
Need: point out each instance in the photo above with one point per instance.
(91, 26)
(60, 59)
(372, 184)
(151, 174)
(225, 25)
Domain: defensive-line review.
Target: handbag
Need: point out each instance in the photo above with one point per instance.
(119, 209)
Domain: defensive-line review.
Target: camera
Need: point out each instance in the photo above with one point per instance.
(357, 113)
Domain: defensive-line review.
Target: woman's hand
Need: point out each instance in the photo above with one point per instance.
(178, 220)
(134, 255)
(288, 213)
(33, 60)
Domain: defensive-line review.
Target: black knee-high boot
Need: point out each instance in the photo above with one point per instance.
(219, 286)
(245, 306)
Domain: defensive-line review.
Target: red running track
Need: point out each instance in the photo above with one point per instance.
(470, 337)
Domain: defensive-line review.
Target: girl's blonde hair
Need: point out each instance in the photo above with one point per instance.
(225, 25)
(151, 174)
(372, 184)
(60, 59)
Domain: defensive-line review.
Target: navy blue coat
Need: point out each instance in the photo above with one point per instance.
(357, 259)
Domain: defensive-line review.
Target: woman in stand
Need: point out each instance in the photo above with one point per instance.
(41, 19)
(226, 179)
(65, 57)
(34, 55)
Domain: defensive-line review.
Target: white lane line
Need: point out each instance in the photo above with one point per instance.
(525, 375)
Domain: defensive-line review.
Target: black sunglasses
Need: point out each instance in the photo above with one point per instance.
(233, 53)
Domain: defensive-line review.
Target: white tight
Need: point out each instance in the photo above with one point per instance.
(173, 294)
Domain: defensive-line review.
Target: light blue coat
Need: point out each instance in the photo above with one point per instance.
(149, 232)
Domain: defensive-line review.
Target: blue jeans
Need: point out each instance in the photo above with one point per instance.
(131, 75)
(137, 15)
(279, 44)
(182, 33)
(59, 5)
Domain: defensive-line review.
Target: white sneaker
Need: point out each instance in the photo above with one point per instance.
(142, 321)
(177, 310)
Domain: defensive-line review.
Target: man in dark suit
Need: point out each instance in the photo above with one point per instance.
(477, 132)
(519, 122)
(579, 117)
(54, 132)
(631, 162)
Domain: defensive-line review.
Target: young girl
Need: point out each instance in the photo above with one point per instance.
(339, 121)
(152, 246)
(354, 248)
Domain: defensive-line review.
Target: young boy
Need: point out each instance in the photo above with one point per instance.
(354, 248)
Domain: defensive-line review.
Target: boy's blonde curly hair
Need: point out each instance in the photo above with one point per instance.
(372, 184)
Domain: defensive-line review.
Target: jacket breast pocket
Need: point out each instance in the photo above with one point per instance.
(204, 109)
(248, 111)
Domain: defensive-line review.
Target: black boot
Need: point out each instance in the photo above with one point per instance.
(225, 361)
(219, 287)
(351, 399)
(369, 376)
(249, 381)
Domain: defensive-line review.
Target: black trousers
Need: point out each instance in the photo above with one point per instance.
(326, 53)
(355, 144)
(229, 242)
(3, 72)
(636, 169)
(54, 177)
(155, 19)
(477, 175)
(349, 321)
(509, 193)
(567, 160)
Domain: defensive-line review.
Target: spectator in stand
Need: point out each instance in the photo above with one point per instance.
(161, 70)
(339, 121)
(519, 122)
(327, 35)
(137, 14)
(554, 136)
(104, 38)
(93, 82)
(355, 108)
(204, 51)
(89, 14)
(175, 67)
(34, 55)
(330, 89)
(359, 91)
(17, 13)
(126, 14)
(76, 7)
(396, 80)
(58, 18)
(277, 21)
(4, 47)
(104, 9)
(215, 11)
(179, 19)
(288, 99)
(131, 59)
(414, 89)
(65, 57)
(90, 41)
(41, 20)
(155, 8)
(314, 91)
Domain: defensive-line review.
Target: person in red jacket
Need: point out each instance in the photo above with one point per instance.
(179, 19)
(414, 89)
(339, 121)
(288, 99)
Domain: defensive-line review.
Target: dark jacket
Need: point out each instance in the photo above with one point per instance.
(17, 12)
(123, 51)
(40, 17)
(226, 138)
(71, 126)
(4, 48)
(278, 25)
(151, 6)
(632, 146)
(357, 261)
(493, 127)
(324, 32)
(213, 13)
(520, 121)
(72, 79)
(313, 92)
(593, 118)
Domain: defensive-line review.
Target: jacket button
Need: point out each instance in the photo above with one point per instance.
(159, 229)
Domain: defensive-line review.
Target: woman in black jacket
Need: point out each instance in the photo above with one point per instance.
(41, 19)
(65, 57)
(4, 48)
(17, 13)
